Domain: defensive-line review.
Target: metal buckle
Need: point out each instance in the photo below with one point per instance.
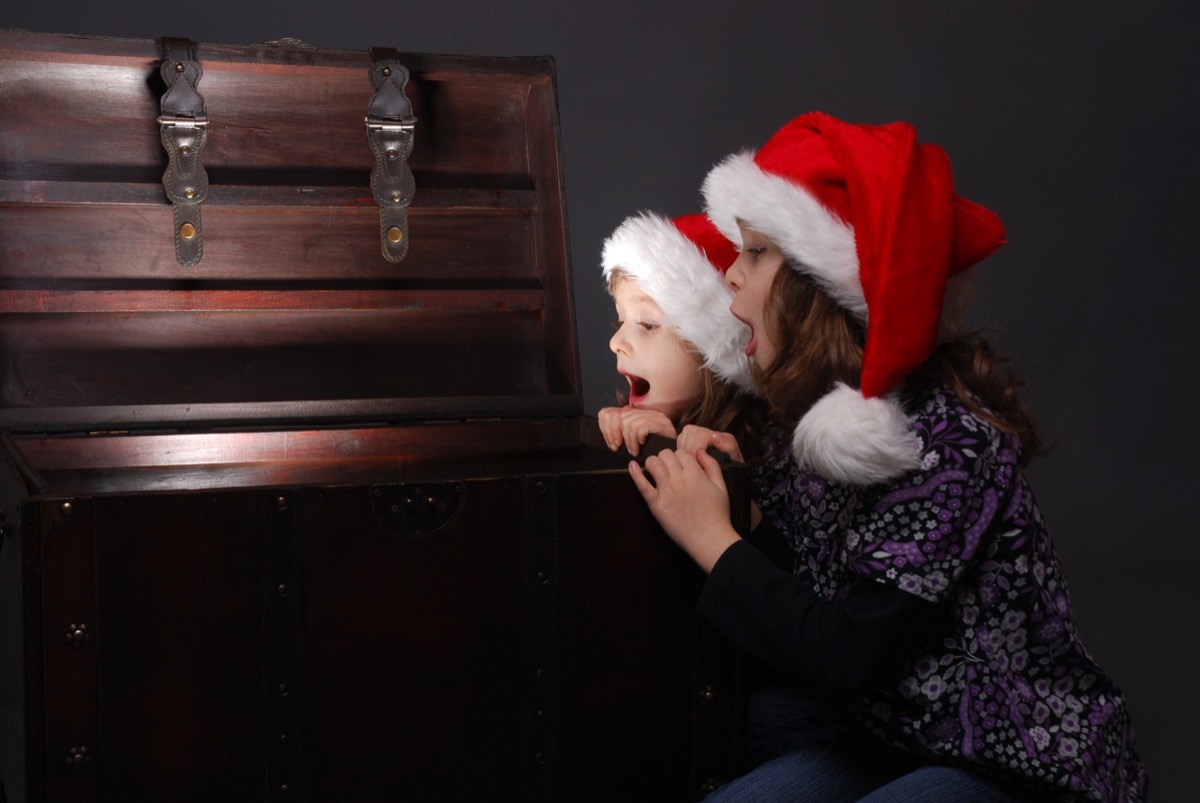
(182, 122)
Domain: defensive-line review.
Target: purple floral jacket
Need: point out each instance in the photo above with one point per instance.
(1006, 683)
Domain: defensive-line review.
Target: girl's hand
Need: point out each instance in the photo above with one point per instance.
(689, 498)
(629, 427)
(693, 437)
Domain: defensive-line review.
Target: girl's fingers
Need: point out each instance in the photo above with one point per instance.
(711, 467)
(639, 479)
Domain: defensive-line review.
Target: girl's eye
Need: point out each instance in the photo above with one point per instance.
(617, 324)
(649, 327)
(756, 250)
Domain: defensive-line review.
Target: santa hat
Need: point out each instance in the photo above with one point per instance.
(871, 216)
(681, 264)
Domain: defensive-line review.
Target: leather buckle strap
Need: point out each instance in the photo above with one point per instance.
(390, 125)
(183, 130)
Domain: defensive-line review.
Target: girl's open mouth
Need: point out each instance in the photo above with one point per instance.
(639, 389)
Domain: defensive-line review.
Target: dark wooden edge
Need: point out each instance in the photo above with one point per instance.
(284, 53)
(260, 415)
(432, 200)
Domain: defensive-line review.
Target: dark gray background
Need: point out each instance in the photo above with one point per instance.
(1078, 122)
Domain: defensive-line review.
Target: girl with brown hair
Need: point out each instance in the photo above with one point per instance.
(919, 626)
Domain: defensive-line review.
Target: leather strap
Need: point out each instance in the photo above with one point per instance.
(390, 124)
(183, 130)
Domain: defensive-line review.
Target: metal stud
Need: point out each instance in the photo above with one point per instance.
(78, 635)
(78, 756)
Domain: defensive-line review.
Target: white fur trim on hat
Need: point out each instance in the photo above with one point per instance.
(692, 293)
(808, 233)
(853, 440)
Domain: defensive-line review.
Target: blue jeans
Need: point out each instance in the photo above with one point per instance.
(822, 775)
(810, 751)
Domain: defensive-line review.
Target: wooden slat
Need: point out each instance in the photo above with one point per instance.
(132, 301)
(196, 358)
(254, 244)
(189, 461)
(83, 109)
(182, 417)
(134, 450)
(274, 191)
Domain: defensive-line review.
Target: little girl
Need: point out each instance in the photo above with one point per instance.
(922, 601)
(677, 344)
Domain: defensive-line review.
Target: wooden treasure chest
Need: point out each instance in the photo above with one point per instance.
(299, 500)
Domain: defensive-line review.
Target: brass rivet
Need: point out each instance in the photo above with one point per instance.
(179, 66)
(67, 508)
(283, 690)
(78, 636)
(185, 150)
(283, 590)
(387, 70)
(78, 756)
(281, 503)
(189, 193)
(391, 153)
(187, 231)
(284, 789)
(395, 197)
(394, 234)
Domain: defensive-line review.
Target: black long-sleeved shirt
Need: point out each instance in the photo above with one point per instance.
(841, 645)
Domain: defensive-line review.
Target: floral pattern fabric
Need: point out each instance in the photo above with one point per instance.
(1005, 684)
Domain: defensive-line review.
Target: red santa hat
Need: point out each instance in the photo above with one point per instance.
(871, 216)
(681, 264)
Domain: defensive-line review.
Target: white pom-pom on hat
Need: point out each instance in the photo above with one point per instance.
(851, 439)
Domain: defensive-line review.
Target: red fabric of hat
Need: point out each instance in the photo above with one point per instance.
(911, 232)
(712, 243)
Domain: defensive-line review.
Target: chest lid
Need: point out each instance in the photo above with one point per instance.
(284, 305)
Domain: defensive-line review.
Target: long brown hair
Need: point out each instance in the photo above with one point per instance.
(724, 407)
(819, 344)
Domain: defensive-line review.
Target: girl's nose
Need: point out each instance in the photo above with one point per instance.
(734, 276)
(616, 343)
